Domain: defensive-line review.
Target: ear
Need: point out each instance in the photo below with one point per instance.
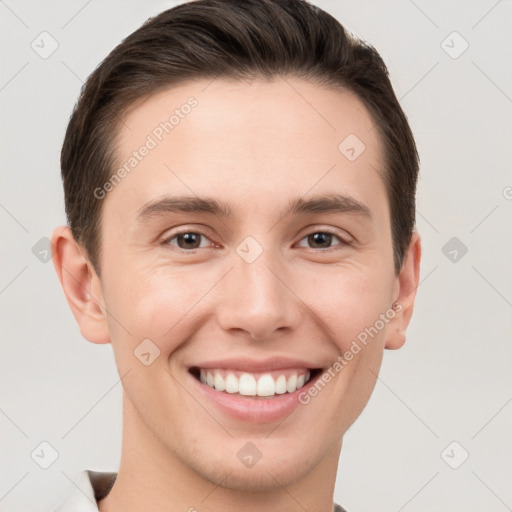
(405, 293)
(81, 285)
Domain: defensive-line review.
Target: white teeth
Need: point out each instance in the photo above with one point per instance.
(231, 383)
(249, 385)
(281, 385)
(220, 385)
(291, 383)
(266, 385)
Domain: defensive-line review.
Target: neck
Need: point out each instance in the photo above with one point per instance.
(151, 477)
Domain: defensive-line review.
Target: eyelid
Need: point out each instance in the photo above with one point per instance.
(318, 228)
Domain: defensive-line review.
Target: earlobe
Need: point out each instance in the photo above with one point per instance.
(407, 284)
(81, 285)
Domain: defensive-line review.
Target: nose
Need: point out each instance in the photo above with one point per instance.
(258, 299)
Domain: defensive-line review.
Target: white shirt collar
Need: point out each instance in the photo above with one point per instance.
(90, 487)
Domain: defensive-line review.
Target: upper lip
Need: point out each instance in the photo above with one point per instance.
(254, 365)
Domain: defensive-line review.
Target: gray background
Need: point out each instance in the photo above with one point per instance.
(450, 382)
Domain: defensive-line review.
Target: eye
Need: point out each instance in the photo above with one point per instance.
(186, 240)
(322, 239)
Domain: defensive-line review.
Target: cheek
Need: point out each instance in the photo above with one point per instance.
(348, 301)
(160, 303)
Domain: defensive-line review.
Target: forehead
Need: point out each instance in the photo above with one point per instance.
(261, 141)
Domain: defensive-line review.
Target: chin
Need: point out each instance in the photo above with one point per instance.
(266, 478)
(275, 469)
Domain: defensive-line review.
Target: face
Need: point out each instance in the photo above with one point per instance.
(277, 258)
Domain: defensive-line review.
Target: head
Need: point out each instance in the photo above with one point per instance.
(297, 171)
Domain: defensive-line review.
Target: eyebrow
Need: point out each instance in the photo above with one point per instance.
(330, 203)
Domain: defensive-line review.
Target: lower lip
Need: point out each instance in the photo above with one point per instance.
(254, 409)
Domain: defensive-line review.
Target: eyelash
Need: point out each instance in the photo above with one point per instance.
(167, 240)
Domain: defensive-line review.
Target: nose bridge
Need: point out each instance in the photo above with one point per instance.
(256, 299)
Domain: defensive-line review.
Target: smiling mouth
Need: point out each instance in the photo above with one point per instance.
(254, 384)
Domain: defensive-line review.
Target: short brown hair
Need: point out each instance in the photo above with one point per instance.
(235, 39)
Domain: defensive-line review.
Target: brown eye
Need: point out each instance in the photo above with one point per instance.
(320, 239)
(323, 240)
(187, 240)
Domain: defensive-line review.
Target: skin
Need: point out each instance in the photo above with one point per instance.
(254, 146)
